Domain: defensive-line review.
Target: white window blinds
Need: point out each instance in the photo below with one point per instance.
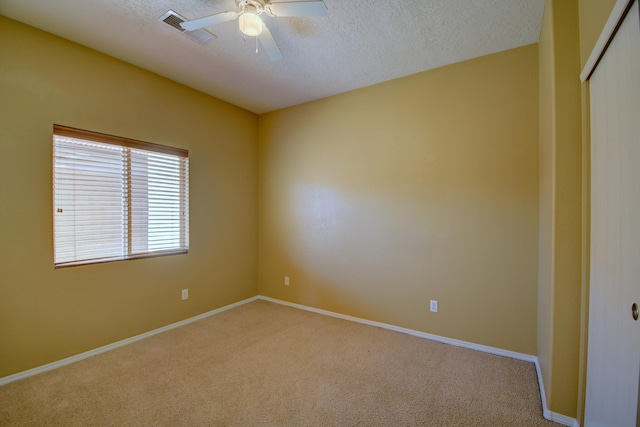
(116, 198)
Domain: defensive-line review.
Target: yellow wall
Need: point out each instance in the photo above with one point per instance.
(560, 192)
(547, 199)
(424, 187)
(593, 16)
(569, 32)
(561, 201)
(48, 314)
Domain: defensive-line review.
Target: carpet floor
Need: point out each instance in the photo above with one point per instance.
(263, 364)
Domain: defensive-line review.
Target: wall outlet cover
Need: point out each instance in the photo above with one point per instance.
(433, 306)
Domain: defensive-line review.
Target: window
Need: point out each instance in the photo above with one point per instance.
(116, 198)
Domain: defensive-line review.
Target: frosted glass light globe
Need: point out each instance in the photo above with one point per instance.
(250, 24)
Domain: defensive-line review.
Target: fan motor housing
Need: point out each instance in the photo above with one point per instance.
(258, 6)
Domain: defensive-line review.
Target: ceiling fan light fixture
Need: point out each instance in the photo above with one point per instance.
(250, 24)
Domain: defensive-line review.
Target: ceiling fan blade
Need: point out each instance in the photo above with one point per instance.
(298, 8)
(269, 44)
(208, 21)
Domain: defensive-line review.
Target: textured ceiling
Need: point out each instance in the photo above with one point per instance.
(359, 42)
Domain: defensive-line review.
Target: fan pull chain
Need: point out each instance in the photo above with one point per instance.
(244, 38)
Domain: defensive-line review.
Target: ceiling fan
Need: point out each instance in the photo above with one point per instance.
(251, 24)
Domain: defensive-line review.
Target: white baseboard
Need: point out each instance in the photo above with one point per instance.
(103, 349)
(549, 415)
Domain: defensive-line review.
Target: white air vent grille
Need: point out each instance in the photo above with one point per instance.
(174, 19)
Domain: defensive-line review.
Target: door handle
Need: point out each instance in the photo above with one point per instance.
(634, 311)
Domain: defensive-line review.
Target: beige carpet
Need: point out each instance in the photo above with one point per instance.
(263, 364)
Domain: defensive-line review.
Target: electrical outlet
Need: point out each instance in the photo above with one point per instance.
(185, 294)
(433, 306)
(286, 280)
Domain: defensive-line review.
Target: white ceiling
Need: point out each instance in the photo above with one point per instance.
(359, 42)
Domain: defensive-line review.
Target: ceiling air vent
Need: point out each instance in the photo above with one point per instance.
(174, 19)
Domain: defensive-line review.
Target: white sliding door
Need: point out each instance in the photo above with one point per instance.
(613, 366)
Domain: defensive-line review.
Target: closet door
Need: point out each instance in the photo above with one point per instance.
(613, 365)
